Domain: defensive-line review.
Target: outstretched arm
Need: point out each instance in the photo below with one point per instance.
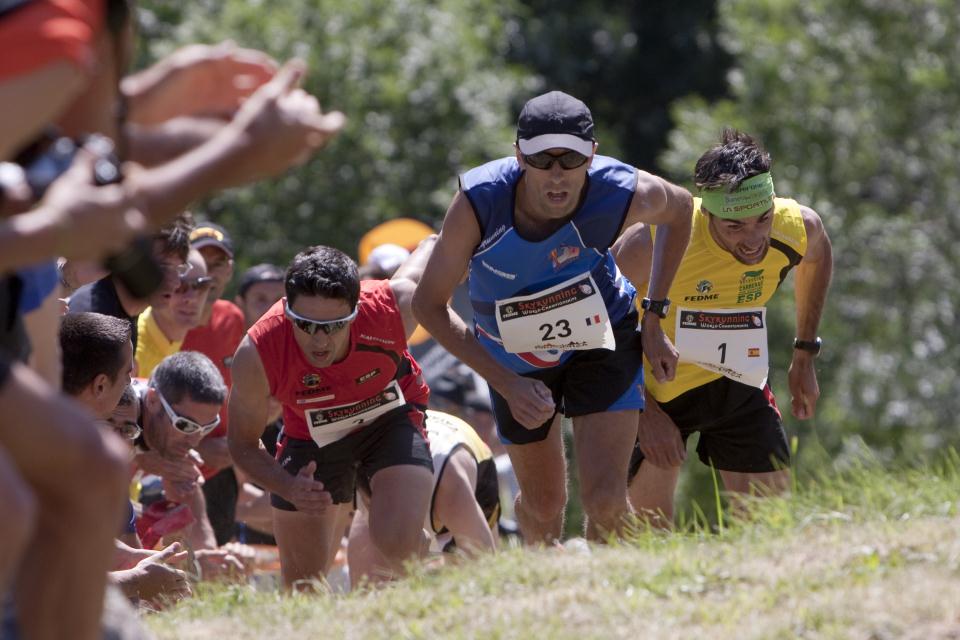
(405, 280)
(633, 252)
(248, 410)
(277, 127)
(670, 208)
(198, 79)
(455, 504)
(530, 401)
(812, 283)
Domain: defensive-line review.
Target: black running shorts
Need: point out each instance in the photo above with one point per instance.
(395, 438)
(592, 381)
(740, 427)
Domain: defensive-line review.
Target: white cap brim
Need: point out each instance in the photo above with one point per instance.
(555, 141)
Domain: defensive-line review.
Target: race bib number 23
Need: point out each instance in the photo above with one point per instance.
(569, 316)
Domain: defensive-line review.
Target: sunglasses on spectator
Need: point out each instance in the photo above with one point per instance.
(310, 326)
(182, 424)
(127, 430)
(201, 284)
(181, 269)
(543, 160)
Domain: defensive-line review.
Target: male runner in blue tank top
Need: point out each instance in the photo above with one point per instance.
(555, 329)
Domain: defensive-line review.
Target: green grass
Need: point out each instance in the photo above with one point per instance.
(866, 553)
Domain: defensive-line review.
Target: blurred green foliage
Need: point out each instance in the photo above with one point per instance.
(857, 100)
(425, 86)
(627, 60)
(858, 103)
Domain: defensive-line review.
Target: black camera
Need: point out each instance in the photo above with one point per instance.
(135, 266)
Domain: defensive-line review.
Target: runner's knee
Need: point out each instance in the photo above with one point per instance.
(397, 542)
(543, 505)
(604, 504)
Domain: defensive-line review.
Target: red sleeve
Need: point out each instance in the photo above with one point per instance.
(233, 325)
(268, 335)
(383, 309)
(48, 31)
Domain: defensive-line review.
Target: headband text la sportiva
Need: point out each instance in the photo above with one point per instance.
(752, 198)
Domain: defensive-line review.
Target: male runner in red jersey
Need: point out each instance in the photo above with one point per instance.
(334, 353)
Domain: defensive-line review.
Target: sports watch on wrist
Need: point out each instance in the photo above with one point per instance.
(810, 346)
(659, 307)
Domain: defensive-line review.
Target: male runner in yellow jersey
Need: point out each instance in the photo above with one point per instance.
(744, 243)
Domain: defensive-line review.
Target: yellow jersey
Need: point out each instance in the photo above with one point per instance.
(710, 277)
(152, 345)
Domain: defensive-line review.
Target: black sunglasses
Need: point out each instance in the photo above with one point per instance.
(544, 160)
(201, 284)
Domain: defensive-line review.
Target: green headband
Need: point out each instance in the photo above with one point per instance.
(753, 198)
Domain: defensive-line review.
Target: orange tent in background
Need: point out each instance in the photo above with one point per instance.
(405, 232)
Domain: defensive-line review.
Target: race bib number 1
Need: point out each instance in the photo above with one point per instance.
(569, 316)
(731, 342)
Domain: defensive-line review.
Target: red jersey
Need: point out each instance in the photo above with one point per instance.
(377, 375)
(218, 340)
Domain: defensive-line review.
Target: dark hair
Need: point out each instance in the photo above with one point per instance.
(174, 239)
(738, 157)
(189, 374)
(130, 397)
(118, 14)
(323, 271)
(91, 344)
(259, 273)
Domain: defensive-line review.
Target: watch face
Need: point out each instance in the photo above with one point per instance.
(658, 307)
(810, 346)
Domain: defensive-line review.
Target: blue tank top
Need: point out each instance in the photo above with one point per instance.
(505, 265)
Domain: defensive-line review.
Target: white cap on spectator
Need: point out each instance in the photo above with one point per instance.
(388, 257)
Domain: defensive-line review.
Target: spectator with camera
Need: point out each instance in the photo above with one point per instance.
(51, 53)
(44, 56)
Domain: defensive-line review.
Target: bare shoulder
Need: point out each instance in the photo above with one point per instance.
(651, 191)
(657, 201)
(458, 238)
(247, 367)
(817, 240)
(460, 224)
(459, 472)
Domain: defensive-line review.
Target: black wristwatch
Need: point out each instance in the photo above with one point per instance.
(810, 346)
(659, 307)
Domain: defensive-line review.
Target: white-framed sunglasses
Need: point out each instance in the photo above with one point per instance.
(310, 326)
(182, 424)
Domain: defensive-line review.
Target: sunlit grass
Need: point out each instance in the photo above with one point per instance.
(866, 552)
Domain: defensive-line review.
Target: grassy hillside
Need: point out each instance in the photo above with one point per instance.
(867, 553)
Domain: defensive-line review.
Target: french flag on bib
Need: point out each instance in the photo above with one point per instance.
(594, 320)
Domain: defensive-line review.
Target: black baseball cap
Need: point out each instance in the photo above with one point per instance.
(555, 120)
(259, 273)
(208, 234)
